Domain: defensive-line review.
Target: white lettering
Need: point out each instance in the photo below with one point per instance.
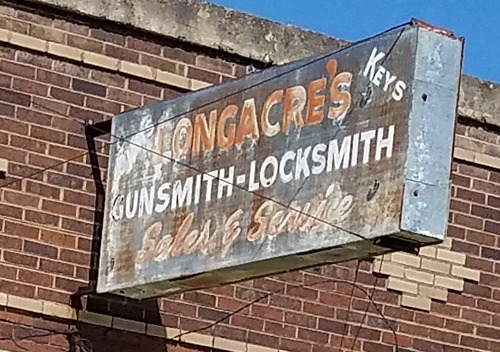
(372, 62)
(366, 138)
(182, 193)
(286, 177)
(267, 180)
(319, 159)
(225, 182)
(384, 143)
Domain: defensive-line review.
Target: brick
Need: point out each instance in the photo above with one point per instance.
(465, 247)
(18, 289)
(144, 88)
(474, 342)
(465, 273)
(492, 227)
(35, 278)
(58, 239)
(43, 190)
(459, 206)
(68, 285)
(468, 221)
(9, 242)
(146, 46)
(65, 51)
(433, 292)
(435, 266)
(35, 117)
(41, 218)
(11, 211)
(418, 302)
(406, 259)
(85, 43)
(63, 180)
(485, 212)
(490, 253)
(59, 310)
(124, 96)
(486, 187)
(67, 96)
(77, 226)
(95, 319)
(111, 79)
(419, 276)
(402, 285)
(470, 195)
(137, 70)
(21, 230)
(428, 251)
(302, 292)
(20, 259)
(462, 181)
(24, 303)
(56, 267)
(389, 268)
(100, 61)
(121, 53)
(17, 69)
(40, 249)
(214, 64)
(449, 283)
(79, 198)
(9, 125)
(162, 64)
(30, 87)
(65, 153)
(16, 98)
(494, 201)
(53, 78)
(69, 125)
(22, 199)
(76, 257)
(28, 42)
(8, 272)
(6, 110)
(103, 105)
(106, 36)
(89, 87)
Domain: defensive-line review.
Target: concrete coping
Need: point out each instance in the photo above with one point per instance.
(215, 27)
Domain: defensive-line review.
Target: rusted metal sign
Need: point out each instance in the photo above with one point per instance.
(341, 156)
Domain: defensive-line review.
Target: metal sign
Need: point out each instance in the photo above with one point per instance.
(341, 156)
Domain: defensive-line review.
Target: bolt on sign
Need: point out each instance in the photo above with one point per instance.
(342, 156)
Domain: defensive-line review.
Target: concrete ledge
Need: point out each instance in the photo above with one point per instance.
(208, 25)
(218, 28)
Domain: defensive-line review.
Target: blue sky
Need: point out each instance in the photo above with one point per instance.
(476, 20)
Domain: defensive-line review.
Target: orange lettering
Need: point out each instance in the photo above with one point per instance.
(181, 234)
(225, 141)
(248, 122)
(295, 101)
(340, 97)
(203, 133)
(316, 102)
(274, 98)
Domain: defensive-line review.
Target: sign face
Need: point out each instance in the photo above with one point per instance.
(304, 164)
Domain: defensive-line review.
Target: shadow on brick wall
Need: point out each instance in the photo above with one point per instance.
(106, 339)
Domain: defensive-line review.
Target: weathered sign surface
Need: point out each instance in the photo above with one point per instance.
(304, 164)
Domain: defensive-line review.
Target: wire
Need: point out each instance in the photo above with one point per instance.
(346, 327)
(307, 63)
(366, 312)
(353, 284)
(203, 105)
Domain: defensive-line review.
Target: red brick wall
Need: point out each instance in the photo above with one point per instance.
(47, 220)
